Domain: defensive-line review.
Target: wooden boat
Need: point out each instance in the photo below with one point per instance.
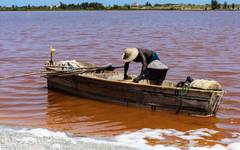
(105, 85)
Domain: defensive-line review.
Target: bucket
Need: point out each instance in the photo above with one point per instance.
(157, 75)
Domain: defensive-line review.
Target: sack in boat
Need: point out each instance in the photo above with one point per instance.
(205, 84)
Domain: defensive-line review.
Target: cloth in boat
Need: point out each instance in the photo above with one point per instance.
(70, 64)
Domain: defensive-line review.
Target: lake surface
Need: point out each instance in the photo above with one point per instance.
(200, 44)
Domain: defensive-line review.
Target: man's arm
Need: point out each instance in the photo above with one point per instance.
(144, 67)
(126, 66)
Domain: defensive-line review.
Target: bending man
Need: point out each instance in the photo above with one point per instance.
(152, 68)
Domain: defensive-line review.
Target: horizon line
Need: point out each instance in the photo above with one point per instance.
(111, 4)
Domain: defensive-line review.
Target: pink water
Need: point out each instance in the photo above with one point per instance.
(199, 44)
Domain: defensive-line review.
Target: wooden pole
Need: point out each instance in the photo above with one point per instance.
(20, 75)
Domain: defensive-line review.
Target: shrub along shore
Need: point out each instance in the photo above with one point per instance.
(214, 5)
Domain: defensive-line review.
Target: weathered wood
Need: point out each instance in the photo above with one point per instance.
(98, 86)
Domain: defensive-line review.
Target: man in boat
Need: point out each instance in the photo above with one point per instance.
(152, 68)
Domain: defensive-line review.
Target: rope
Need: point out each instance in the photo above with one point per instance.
(183, 92)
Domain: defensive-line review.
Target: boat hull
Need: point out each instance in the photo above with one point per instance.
(192, 101)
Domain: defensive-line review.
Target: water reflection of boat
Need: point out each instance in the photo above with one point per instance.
(98, 83)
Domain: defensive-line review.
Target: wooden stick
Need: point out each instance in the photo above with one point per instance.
(26, 74)
(20, 75)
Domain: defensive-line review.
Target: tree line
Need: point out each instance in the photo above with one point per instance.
(214, 5)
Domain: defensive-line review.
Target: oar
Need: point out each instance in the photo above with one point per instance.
(111, 68)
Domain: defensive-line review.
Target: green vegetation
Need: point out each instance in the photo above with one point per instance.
(214, 5)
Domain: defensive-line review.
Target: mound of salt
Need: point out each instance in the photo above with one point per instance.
(206, 84)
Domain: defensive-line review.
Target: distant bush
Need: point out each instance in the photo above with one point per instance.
(225, 5)
(215, 4)
(233, 6)
(148, 4)
(127, 6)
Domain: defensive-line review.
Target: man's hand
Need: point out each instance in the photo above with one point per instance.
(136, 80)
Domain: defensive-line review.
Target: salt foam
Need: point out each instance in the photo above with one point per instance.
(129, 140)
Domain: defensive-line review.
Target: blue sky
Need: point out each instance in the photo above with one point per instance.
(105, 2)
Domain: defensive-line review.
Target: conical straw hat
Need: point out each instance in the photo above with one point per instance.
(129, 54)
